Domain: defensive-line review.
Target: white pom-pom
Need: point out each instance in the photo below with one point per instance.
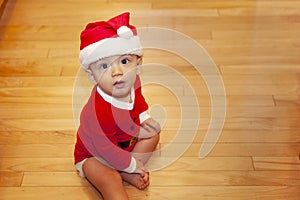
(124, 32)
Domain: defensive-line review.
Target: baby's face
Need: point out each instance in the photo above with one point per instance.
(116, 75)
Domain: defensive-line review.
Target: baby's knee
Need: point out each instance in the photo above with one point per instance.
(111, 177)
(94, 169)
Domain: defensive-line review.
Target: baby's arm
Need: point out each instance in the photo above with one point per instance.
(151, 126)
(147, 143)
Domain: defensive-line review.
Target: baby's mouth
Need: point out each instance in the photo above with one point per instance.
(119, 84)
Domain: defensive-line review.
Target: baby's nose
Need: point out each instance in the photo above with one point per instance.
(116, 70)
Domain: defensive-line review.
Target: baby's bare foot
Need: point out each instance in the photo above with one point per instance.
(140, 181)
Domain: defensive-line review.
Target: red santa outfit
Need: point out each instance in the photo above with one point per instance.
(109, 128)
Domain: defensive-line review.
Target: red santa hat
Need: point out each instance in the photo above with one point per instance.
(103, 39)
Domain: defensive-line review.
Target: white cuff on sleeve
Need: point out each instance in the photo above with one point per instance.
(144, 116)
(132, 166)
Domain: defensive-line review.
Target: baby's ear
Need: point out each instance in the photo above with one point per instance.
(90, 76)
(88, 72)
(140, 60)
(139, 65)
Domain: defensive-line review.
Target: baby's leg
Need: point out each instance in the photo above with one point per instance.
(142, 151)
(107, 180)
(144, 148)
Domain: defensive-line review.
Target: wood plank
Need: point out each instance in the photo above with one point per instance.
(256, 59)
(285, 70)
(257, 149)
(262, 11)
(236, 149)
(37, 92)
(221, 192)
(261, 112)
(43, 164)
(202, 100)
(175, 112)
(211, 163)
(256, 50)
(42, 33)
(234, 123)
(242, 23)
(68, 193)
(159, 193)
(276, 163)
(36, 112)
(265, 136)
(49, 81)
(236, 178)
(37, 150)
(59, 101)
(289, 90)
(2, 6)
(37, 125)
(262, 78)
(285, 100)
(4, 44)
(221, 35)
(10, 179)
(36, 66)
(38, 137)
(236, 136)
(4, 54)
(201, 5)
(37, 179)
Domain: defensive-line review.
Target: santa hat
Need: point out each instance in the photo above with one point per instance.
(103, 39)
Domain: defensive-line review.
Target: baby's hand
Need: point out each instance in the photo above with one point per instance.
(151, 126)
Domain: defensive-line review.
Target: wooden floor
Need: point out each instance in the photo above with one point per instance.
(256, 46)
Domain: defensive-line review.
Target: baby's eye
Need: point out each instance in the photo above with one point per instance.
(124, 61)
(104, 65)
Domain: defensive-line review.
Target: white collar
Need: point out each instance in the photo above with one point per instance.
(115, 102)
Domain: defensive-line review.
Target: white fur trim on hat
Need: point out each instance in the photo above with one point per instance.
(125, 32)
(110, 47)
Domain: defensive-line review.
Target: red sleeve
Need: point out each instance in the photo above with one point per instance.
(96, 141)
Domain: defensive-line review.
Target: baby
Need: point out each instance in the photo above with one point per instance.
(116, 135)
